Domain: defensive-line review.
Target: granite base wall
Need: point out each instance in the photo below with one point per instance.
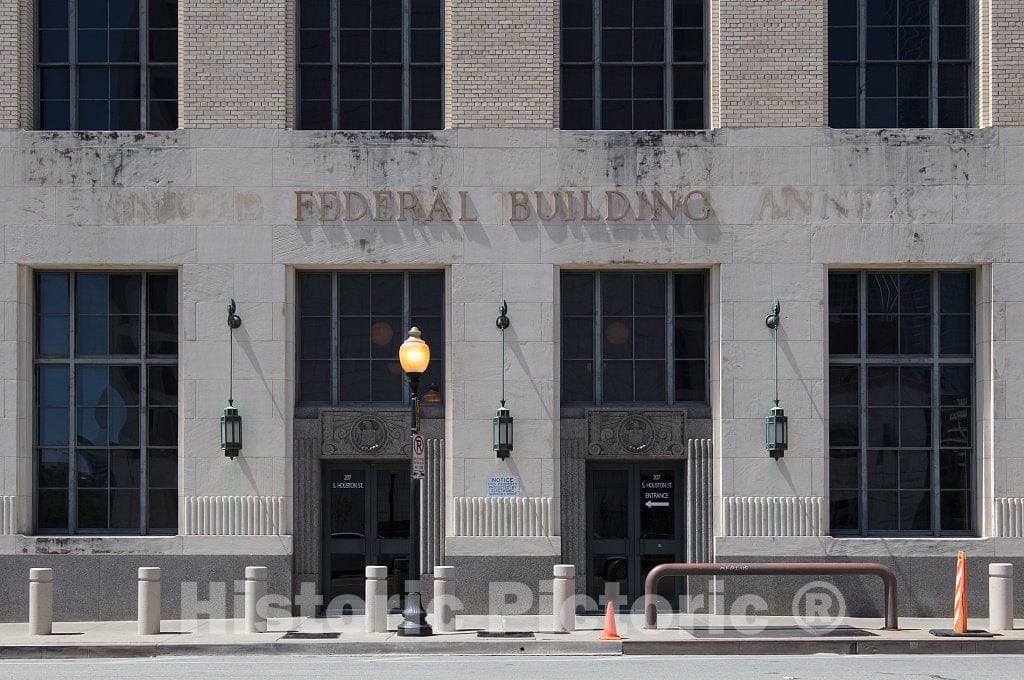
(104, 587)
(476, 575)
(924, 586)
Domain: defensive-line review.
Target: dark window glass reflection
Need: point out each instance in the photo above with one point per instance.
(633, 324)
(104, 70)
(351, 65)
(929, 49)
(888, 400)
(123, 396)
(618, 71)
(355, 331)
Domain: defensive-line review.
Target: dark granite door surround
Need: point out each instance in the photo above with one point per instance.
(330, 441)
(676, 439)
(634, 523)
(365, 522)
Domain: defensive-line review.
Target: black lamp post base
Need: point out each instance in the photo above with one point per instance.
(414, 622)
(410, 629)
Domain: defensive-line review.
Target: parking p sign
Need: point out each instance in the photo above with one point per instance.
(419, 457)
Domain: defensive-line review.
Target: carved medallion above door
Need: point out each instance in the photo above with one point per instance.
(640, 433)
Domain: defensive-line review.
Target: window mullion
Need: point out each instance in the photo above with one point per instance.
(975, 521)
(634, 319)
(933, 66)
(862, 31)
(974, 117)
(406, 57)
(897, 360)
(669, 103)
(596, 38)
(73, 62)
(335, 71)
(670, 339)
(598, 351)
(936, 410)
(72, 408)
(406, 325)
(335, 340)
(143, 69)
(862, 400)
(144, 409)
(706, 59)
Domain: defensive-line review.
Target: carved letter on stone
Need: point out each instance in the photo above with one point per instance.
(303, 204)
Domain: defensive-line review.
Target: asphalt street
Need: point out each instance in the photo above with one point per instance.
(522, 668)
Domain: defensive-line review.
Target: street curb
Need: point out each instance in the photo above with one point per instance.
(717, 647)
(845, 646)
(450, 647)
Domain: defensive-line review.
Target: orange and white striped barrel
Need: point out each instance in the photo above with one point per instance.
(960, 594)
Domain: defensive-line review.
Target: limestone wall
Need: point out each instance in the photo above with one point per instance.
(768, 212)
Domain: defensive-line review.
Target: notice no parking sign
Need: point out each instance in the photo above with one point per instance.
(505, 486)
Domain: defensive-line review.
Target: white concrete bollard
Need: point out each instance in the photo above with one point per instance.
(149, 600)
(376, 599)
(1000, 596)
(444, 587)
(40, 601)
(564, 595)
(255, 593)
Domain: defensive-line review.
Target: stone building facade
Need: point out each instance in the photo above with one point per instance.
(763, 203)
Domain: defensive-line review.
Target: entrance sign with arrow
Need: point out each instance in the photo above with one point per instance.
(658, 489)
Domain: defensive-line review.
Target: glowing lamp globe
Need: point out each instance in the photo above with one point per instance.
(414, 354)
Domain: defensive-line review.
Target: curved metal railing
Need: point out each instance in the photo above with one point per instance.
(661, 571)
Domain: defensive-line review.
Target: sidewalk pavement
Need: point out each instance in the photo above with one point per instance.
(677, 634)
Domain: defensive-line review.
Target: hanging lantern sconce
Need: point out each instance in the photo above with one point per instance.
(503, 417)
(231, 422)
(776, 427)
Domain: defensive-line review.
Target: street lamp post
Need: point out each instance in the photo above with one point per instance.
(414, 355)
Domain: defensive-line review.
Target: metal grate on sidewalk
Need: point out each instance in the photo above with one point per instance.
(504, 634)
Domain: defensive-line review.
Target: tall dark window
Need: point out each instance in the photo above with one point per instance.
(634, 337)
(901, 386)
(370, 65)
(106, 402)
(350, 328)
(899, 63)
(633, 64)
(107, 64)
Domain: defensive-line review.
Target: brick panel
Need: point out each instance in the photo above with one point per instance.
(233, 63)
(1007, 62)
(772, 68)
(16, 67)
(502, 63)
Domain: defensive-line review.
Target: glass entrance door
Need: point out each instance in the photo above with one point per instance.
(634, 523)
(366, 522)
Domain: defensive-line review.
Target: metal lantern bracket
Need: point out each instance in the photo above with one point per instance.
(503, 421)
(776, 425)
(231, 421)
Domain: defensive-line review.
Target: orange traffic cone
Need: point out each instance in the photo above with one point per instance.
(960, 605)
(960, 594)
(609, 632)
